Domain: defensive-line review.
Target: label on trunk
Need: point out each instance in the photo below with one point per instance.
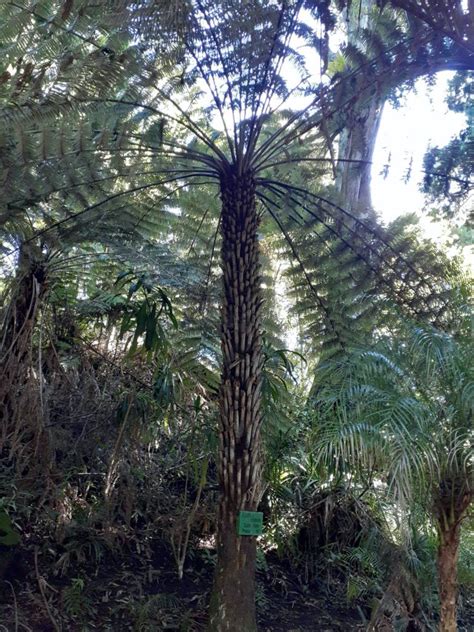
(250, 523)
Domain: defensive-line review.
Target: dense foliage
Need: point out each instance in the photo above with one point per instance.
(183, 193)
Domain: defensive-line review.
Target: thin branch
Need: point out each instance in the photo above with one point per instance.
(255, 125)
(188, 123)
(234, 152)
(296, 160)
(266, 201)
(67, 187)
(266, 146)
(96, 205)
(164, 197)
(59, 26)
(361, 224)
(195, 236)
(288, 197)
(41, 584)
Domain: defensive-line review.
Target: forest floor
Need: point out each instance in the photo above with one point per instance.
(139, 593)
(119, 598)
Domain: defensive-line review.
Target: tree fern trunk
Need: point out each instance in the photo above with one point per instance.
(17, 405)
(233, 599)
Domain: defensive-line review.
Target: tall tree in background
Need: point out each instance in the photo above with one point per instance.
(405, 48)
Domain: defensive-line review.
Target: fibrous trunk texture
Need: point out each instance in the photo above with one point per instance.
(18, 395)
(448, 552)
(233, 599)
(454, 499)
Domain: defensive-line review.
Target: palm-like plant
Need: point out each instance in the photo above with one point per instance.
(404, 413)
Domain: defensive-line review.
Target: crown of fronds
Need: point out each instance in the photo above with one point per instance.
(109, 113)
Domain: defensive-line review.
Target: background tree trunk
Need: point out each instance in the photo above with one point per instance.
(233, 599)
(357, 140)
(357, 143)
(448, 551)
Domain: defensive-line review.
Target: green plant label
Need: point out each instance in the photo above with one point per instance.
(250, 523)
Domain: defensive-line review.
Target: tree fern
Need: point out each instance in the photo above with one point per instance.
(167, 80)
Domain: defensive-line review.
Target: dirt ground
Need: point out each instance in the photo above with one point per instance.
(137, 593)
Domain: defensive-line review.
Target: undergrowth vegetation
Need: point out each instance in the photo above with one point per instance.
(109, 523)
